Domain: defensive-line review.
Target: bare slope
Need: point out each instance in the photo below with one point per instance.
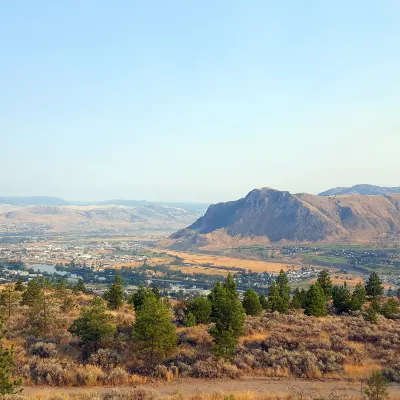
(106, 218)
(364, 190)
(268, 215)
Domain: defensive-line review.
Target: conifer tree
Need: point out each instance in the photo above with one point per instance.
(115, 294)
(374, 285)
(390, 308)
(154, 330)
(228, 315)
(201, 309)
(8, 385)
(316, 301)
(371, 315)
(33, 293)
(251, 303)
(358, 297)
(275, 302)
(324, 280)
(341, 299)
(376, 388)
(263, 301)
(9, 300)
(138, 297)
(297, 301)
(190, 319)
(79, 287)
(284, 290)
(19, 285)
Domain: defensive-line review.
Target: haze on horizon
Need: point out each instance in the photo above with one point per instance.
(197, 102)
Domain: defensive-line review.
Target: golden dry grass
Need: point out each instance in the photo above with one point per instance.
(224, 261)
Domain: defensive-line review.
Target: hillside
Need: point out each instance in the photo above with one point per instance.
(361, 190)
(94, 219)
(270, 216)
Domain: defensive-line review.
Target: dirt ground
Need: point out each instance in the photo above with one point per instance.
(258, 385)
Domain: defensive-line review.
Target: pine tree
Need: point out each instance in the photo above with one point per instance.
(251, 303)
(358, 297)
(371, 315)
(390, 308)
(7, 384)
(341, 299)
(19, 285)
(94, 325)
(155, 289)
(32, 294)
(115, 294)
(316, 301)
(154, 330)
(190, 319)
(376, 387)
(9, 300)
(324, 280)
(297, 300)
(228, 315)
(275, 302)
(374, 285)
(263, 301)
(79, 287)
(284, 291)
(138, 297)
(201, 309)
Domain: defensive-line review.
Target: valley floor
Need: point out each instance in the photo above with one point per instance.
(190, 387)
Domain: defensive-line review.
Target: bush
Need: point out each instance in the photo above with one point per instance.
(213, 368)
(43, 350)
(105, 358)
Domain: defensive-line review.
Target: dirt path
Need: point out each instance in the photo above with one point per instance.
(258, 385)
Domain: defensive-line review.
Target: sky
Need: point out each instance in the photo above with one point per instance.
(202, 101)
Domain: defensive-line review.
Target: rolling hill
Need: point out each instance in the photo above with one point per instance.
(361, 190)
(271, 216)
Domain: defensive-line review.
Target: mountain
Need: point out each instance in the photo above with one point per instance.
(92, 219)
(361, 190)
(271, 216)
(33, 200)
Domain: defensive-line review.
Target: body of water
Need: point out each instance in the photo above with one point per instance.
(49, 268)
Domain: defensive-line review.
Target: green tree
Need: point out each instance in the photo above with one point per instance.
(376, 387)
(201, 309)
(228, 315)
(79, 287)
(390, 308)
(263, 301)
(19, 285)
(324, 279)
(32, 294)
(374, 285)
(9, 300)
(154, 330)
(341, 299)
(316, 301)
(115, 294)
(8, 385)
(398, 294)
(297, 299)
(251, 302)
(156, 290)
(275, 302)
(94, 326)
(371, 315)
(190, 319)
(358, 297)
(138, 297)
(284, 290)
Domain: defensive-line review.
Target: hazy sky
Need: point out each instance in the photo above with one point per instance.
(197, 100)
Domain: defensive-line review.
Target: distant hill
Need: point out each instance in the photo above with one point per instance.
(33, 201)
(361, 190)
(271, 216)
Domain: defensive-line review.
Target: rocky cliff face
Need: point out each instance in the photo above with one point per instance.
(278, 216)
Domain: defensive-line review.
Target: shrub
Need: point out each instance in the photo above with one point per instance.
(43, 350)
(213, 368)
(106, 358)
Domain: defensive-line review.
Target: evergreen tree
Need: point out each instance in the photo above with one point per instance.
(138, 297)
(371, 315)
(155, 289)
(115, 294)
(154, 330)
(297, 300)
(324, 279)
(358, 297)
(7, 384)
(341, 299)
(9, 300)
(33, 293)
(316, 301)
(19, 285)
(390, 309)
(376, 387)
(201, 309)
(251, 303)
(79, 287)
(263, 301)
(284, 291)
(275, 302)
(190, 319)
(228, 315)
(398, 294)
(374, 285)
(94, 325)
